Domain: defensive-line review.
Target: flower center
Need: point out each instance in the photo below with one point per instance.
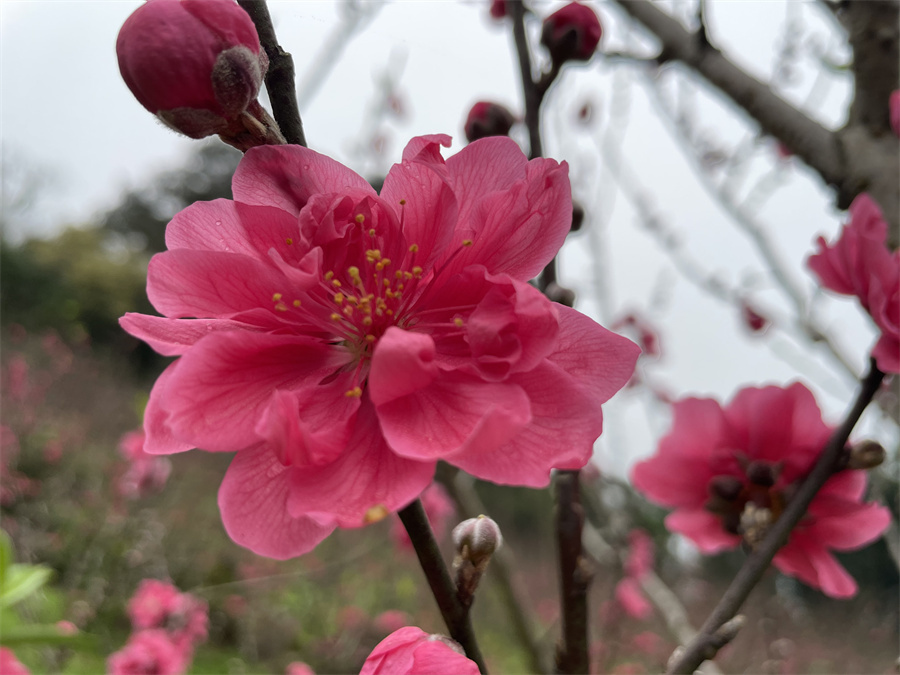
(747, 505)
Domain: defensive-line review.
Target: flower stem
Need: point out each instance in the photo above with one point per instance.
(280, 76)
(456, 616)
(705, 644)
(575, 576)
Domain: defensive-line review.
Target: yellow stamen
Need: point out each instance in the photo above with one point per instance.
(276, 297)
(414, 248)
(288, 241)
(329, 275)
(356, 392)
(281, 307)
(458, 322)
(467, 242)
(376, 513)
(335, 317)
(297, 303)
(402, 202)
(335, 283)
(372, 232)
(360, 218)
(367, 321)
(339, 298)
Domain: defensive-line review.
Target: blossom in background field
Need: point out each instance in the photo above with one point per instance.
(346, 341)
(146, 474)
(157, 604)
(439, 510)
(729, 472)
(412, 651)
(149, 651)
(298, 668)
(638, 563)
(859, 263)
(10, 665)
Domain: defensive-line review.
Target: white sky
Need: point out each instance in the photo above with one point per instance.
(64, 108)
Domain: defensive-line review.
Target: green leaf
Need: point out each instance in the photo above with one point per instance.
(21, 581)
(6, 556)
(40, 634)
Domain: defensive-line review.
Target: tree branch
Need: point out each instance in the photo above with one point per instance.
(575, 576)
(704, 646)
(853, 159)
(280, 76)
(456, 617)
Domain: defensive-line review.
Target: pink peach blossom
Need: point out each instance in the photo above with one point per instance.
(149, 652)
(391, 620)
(157, 604)
(10, 665)
(412, 651)
(439, 510)
(859, 263)
(571, 33)
(298, 668)
(346, 341)
(631, 598)
(718, 467)
(640, 554)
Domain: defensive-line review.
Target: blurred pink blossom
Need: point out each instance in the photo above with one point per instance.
(728, 473)
(631, 598)
(571, 33)
(391, 620)
(640, 554)
(859, 263)
(348, 341)
(157, 604)
(17, 380)
(10, 665)
(498, 9)
(146, 474)
(149, 652)
(412, 651)
(298, 668)
(439, 510)
(756, 322)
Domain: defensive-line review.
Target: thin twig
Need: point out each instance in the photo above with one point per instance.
(280, 76)
(574, 575)
(455, 615)
(468, 505)
(704, 645)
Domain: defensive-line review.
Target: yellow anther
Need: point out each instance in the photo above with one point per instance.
(402, 202)
(339, 298)
(386, 262)
(376, 513)
(281, 307)
(407, 276)
(370, 338)
(389, 294)
(335, 317)
(329, 275)
(372, 232)
(288, 241)
(417, 271)
(360, 218)
(389, 312)
(399, 287)
(458, 322)
(276, 297)
(398, 274)
(367, 321)
(352, 299)
(373, 254)
(297, 303)
(414, 248)
(335, 283)
(348, 311)
(379, 266)
(356, 392)
(467, 242)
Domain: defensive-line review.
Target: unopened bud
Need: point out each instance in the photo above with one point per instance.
(477, 539)
(198, 66)
(866, 455)
(755, 321)
(498, 9)
(488, 119)
(571, 33)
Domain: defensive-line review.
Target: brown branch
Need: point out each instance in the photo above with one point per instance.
(280, 76)
(705, 645)
(455, 615)
(575, 574)
(853, 159)
(503, 564)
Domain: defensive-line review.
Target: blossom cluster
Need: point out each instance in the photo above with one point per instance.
(146, 474)
(166, 626)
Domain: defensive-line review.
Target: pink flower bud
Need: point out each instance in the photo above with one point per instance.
(571, 33)
(477, 539)
(195, 64)
(488, 119)
(498, 9)
(756, 322)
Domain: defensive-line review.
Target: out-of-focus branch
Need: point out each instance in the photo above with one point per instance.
(280, 76)
(855, 159)
(468, 505)
(354, 17)
(456, 616)
(705, 645)
(575, 575)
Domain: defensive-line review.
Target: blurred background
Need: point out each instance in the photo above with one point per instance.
(678, 190)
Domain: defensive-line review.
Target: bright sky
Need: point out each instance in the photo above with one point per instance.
(65, 110)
